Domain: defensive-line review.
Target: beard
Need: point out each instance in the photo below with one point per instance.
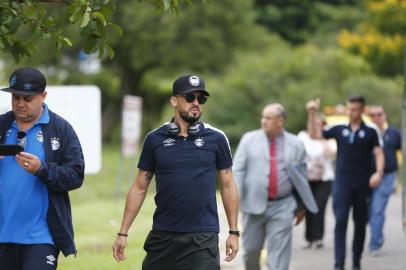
(190, 119)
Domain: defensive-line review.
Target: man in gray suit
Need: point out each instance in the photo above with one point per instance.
(269, 168)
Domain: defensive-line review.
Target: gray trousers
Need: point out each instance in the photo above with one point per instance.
(274, 228)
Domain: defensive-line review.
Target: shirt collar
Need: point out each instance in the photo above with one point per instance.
(44, 119)
(362, 125)
(279, 137)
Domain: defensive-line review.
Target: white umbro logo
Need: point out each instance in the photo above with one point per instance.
(51, 259)
(169, 142)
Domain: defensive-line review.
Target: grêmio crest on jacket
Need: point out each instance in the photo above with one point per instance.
(55, 144)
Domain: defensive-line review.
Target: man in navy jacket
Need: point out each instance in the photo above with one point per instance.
(35, 211)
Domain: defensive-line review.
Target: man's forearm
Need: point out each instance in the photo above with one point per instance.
(380, 161)
(135, 199)
(312, 129)
(133, 204)
(229, 196)
(230, 201)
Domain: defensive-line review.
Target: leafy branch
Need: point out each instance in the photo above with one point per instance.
(23, 23)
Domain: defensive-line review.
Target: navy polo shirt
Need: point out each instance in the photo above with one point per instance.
(185, 173)
(391, 144)
(23, 197)
(354, 153)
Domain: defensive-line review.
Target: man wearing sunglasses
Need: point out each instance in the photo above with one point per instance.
(380, 194)
(187, 157)
(357, 145)
(35, 215)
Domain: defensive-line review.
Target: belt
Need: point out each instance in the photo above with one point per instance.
(279, 198)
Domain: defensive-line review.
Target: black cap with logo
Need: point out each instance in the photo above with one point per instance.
(26, 81)
(187, 84)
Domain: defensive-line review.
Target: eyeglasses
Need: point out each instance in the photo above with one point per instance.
(191, 97)
(375, 114)
(21, 138)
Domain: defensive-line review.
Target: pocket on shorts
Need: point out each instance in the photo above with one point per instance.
(214, 263)
(146, 242)
(157, 240)
(214, 251)
(206, 239)
(209, 242)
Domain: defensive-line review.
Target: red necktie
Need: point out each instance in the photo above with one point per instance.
(273, 174)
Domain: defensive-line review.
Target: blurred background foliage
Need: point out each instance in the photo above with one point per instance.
(291, 76)
(250, 52)
(380, 37)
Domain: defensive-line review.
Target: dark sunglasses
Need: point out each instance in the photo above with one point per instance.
(21, 138)
(191, 97)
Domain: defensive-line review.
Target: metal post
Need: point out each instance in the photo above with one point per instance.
(404, 144)
(120, 175)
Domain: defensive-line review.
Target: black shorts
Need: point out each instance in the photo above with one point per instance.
(28, 257)
(181, 251)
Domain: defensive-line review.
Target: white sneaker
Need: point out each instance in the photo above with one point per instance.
(374, 253)
(307, 245)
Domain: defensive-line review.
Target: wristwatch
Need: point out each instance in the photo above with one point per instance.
(235, 232)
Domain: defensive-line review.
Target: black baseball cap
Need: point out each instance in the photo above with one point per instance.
(187, 84)
(26, 81)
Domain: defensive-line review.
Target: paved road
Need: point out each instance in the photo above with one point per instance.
(393, 256)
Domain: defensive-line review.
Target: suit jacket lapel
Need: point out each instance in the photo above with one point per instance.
(264, 144)
(287, 149)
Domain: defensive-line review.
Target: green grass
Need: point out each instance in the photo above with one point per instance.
(97, 213)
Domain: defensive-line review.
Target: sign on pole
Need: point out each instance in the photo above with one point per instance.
(130, 136)
(131, 125)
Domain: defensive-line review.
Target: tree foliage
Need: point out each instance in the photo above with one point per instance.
(381, 36)
(202, 38)
(158, 47)
(24, 23)
(291, 76)
(245, 65)
(297, 21)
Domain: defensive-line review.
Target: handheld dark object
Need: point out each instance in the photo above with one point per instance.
(10, 149)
